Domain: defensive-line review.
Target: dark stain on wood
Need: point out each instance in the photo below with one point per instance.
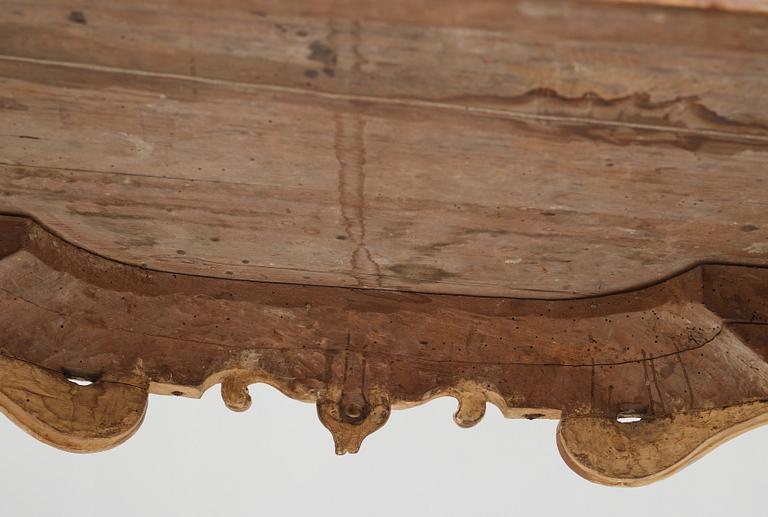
(417, 273)
(77, 17)
(322, 53)
(350, 153)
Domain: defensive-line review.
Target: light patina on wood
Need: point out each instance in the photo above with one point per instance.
(558, 207)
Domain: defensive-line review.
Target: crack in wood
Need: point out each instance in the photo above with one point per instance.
(393, 101)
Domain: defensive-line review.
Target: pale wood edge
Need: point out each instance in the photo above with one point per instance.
(736, 6)
(699, 451)
(72, 417)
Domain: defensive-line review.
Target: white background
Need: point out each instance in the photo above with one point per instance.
(197, 458)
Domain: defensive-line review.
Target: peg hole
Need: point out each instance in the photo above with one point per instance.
(79, 382)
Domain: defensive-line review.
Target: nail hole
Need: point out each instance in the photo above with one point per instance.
(353, 410)
(79, 382)
(628, 418)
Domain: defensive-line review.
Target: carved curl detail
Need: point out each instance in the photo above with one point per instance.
(686, 356)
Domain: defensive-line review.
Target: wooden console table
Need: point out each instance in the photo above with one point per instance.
(557, 207)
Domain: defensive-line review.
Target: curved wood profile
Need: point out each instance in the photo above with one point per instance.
(687, 355)
(76, 418)
(638, 453)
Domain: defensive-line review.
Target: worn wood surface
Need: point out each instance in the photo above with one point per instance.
(66, 415)
(497, 148)
(687, 356)
(558, 207)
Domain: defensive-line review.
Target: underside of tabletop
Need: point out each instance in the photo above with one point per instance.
(558, 207)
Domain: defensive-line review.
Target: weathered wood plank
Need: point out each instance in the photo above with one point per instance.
(480, 53)
(303, 189)
(428, 133)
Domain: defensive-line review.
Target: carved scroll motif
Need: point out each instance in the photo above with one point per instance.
(684, 357)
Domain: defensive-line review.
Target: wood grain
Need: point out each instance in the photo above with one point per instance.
(430, 160)
(635, 454)
(66, 415)
(558, 207)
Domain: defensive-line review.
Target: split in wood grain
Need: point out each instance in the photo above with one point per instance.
(691, 107)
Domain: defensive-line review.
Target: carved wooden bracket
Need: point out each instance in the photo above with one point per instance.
(686, 357)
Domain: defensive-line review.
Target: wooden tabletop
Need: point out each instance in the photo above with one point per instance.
(559, 207)
(538, 149)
